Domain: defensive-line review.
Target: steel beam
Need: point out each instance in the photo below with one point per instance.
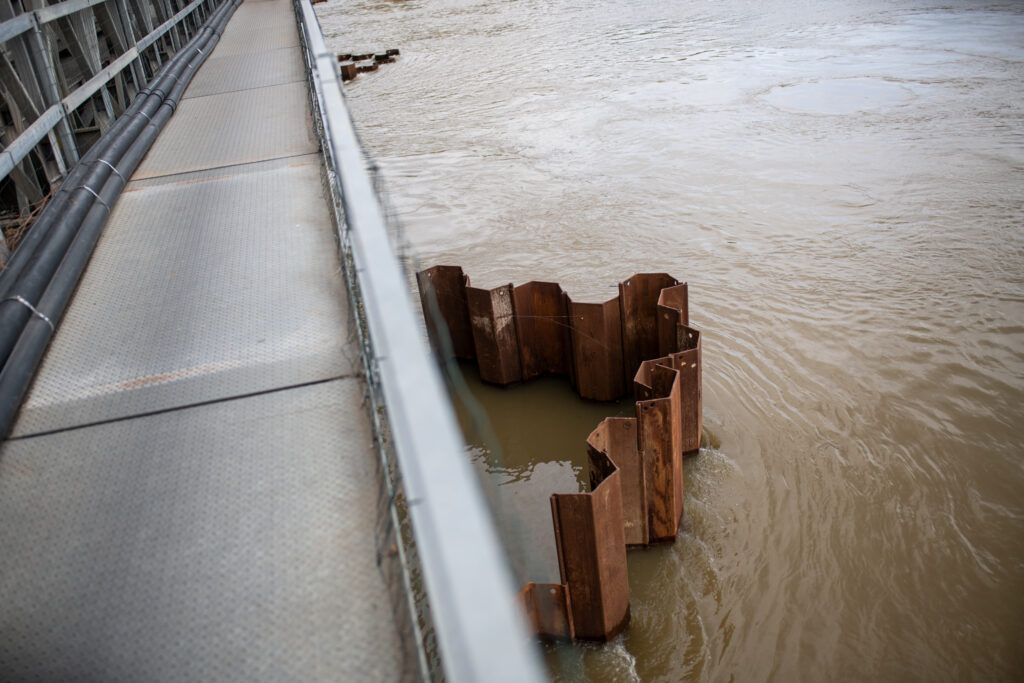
(79, 35)
(46, 76)
(62, 9)
(16, 26)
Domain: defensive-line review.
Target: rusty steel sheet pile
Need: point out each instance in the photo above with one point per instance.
(518, 333)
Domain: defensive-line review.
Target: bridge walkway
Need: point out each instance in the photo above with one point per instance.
(191, 489)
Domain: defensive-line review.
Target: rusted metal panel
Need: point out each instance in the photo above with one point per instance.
(659, 432)
(673, 310)
(570, 351)
(636, 475)
(654, 379)
(597, 349)
(542, 320)
(691, 408)
(688, 337)
(616, 439)
(348, 70)
(639, 307)
(546, 608)
(591, 545)
(691, 399)
(492, 319)
(443, 297)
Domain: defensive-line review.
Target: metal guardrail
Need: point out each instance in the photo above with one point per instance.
(468, 584)
(33, 77)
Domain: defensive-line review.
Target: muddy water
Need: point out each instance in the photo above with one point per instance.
(842, 184)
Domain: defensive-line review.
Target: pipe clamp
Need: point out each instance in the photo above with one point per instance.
(98, 198)
(35, 311)
(112, 168)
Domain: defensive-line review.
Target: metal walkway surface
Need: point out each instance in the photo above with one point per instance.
(191, 490)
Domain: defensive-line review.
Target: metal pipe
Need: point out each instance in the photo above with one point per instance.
(63, 248)
(159, 83)
(57, 205)
(59, 112)
(146, 102)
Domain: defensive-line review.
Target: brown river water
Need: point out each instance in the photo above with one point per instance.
(842, 185)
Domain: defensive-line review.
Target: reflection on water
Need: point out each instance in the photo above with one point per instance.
(839, 96)
(842, 184)
(536, 446)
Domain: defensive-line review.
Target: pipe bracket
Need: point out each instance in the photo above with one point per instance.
(35, 311)
(96, 195)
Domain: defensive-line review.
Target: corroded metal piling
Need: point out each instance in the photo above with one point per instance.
(641, 341)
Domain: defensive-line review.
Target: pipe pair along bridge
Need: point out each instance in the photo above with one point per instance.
(228, 453)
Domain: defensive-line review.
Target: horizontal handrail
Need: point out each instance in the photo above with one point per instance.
(468, 583)
(62, 9)
(23, 144)
(13, 28)
(89, 88)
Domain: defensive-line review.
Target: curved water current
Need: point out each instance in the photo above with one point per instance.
(842, 184)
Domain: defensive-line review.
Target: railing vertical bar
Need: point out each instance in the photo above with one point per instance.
(47, 78)
(138, 72)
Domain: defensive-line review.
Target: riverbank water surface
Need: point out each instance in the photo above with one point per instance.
(842, 185)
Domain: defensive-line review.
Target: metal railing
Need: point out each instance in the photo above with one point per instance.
(70, 68)
(468, 584)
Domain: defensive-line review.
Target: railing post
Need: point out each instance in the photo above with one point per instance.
(46, 75)
(58, 157)
(142, 11)
(175, 41)
(138, 73)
